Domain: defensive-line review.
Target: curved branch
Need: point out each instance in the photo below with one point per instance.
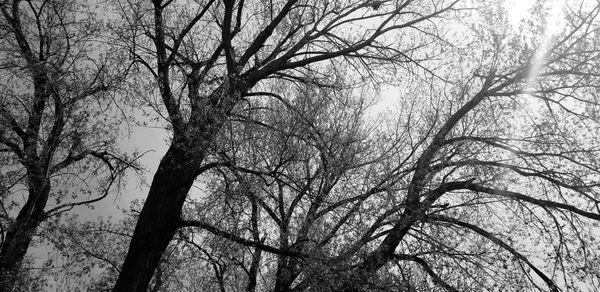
(499, 242)
(12, 147)
(436, 279)
(539, 202)
(66, 207)
(179, 40)
(14, 125)
(227, 235)
(266, 33)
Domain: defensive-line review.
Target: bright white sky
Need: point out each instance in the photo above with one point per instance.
(518, 9)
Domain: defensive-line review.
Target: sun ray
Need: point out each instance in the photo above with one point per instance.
(553, 25)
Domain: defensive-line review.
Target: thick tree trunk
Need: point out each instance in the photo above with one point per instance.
(285, 275)
(158, 219)
(19, 236)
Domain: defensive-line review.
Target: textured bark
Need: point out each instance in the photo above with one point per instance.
(158, 220)
(285, 275)
(160, 217)
(254, 269)
(283, 278)
(19, 236)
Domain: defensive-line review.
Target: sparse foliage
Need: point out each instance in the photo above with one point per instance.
(284, 172)
(57, 122)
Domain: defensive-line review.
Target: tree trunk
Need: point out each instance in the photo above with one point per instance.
(283, 278)
(158, 220)
(254, 268)
(20, 234)
(283, 274)
(362, 275)
(160, 217)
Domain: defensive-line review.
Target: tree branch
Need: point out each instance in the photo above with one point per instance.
(436, 279)
(179, 40)
(499, 242)
(521, 197)
(238, 239)
(266, 33)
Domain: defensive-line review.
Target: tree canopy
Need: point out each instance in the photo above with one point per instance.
(286, 171)
(57, 120)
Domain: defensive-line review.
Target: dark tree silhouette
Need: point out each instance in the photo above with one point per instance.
(55, 87)
(485, 179)
(490, 160)
(207, 58)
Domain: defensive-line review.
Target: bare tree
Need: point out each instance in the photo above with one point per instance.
(207, 58)
(87, 254)
(486, 180)
(55, 90)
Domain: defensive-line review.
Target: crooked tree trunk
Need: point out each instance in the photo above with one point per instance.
(160, 217)
(158, 220)
(19, 236)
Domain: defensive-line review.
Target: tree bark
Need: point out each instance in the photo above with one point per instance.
(19, 236)
(284, 277)
(254, 269)
(158, 219)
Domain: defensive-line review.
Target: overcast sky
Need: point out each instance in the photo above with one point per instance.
(151, 140)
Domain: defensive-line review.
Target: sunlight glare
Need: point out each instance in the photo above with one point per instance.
(553, 24)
